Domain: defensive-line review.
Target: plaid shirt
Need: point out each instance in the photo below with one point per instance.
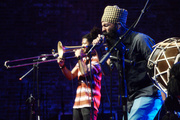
(83, 93)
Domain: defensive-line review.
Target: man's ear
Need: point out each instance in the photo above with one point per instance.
(118, 25)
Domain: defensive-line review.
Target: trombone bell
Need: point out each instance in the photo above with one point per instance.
(66, 49)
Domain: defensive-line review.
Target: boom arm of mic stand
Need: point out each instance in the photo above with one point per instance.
(26, 73)
(91, 50)
(142, 12)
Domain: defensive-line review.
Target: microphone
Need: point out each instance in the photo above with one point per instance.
(102, 38)
(100, 41)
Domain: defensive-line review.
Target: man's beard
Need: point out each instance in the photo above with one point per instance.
(111, 37)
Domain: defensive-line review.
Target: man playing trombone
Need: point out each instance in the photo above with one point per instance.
(82, 104)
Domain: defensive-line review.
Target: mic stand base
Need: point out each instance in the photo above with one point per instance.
(31, 101)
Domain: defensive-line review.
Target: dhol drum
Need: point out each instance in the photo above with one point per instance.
(164, 55)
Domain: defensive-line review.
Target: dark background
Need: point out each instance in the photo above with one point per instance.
(33, 27)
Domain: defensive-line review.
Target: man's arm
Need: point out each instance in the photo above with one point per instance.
(105, 65)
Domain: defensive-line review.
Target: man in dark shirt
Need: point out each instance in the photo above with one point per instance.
(144, 99)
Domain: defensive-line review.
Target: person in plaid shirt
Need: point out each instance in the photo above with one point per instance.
(82, 103)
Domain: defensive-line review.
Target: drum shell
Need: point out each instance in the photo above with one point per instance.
(164, 55)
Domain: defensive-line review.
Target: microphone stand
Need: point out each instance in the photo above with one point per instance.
(31, 99)
(111, 116)
(38, 100)
(122, 49)
(36, 67)
(92, 101)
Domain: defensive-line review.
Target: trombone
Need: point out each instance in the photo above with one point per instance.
(44, 57)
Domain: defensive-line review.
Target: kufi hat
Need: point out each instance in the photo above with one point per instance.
(114, 14)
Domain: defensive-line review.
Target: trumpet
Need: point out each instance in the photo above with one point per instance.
(44, 58)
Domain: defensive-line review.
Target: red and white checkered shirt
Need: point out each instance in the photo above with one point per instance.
(83, 93)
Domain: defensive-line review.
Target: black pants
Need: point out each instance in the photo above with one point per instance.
(84, 114)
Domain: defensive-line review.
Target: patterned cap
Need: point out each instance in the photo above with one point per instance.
(114, 14)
